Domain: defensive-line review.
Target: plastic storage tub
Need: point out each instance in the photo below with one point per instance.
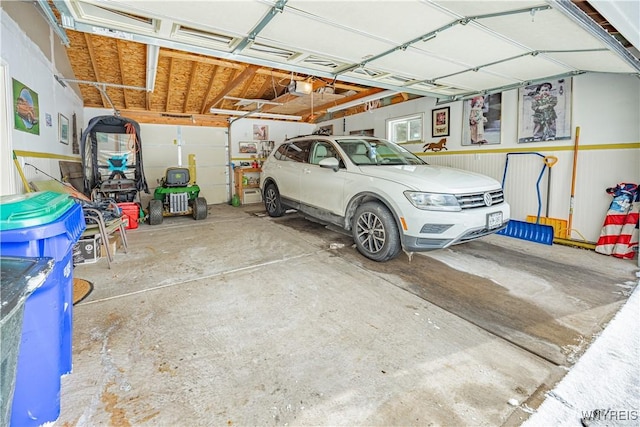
(132, 211)
(37, 225)
(19, 278)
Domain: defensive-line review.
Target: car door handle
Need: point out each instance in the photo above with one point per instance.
(306, 170)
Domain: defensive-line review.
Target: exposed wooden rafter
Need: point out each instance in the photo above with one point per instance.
(248, 72)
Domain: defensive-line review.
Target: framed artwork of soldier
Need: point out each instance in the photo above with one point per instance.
(544, 111)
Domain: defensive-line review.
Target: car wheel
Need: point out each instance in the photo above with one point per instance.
(200, 208)
(155, 212)
(375, 232)
(272, 202)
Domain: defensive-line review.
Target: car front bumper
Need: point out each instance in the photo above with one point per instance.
(437, 230)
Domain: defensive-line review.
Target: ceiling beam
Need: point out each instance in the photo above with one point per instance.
(194, 73)
(238, 65)
(371, 91)
(209, 88)
(247, 86)
(248, 72)
(122, 66)
(266, 86)
(169, 85)
(157, 117)
(92, 57)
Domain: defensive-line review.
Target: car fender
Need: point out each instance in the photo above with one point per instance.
(366, 196)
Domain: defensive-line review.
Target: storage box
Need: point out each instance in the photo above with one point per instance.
(252, 195)
(130, 212)
(115, 242)
(87, 250)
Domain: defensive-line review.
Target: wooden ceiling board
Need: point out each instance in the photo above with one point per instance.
(219, 82)
(133, 68)
(192, 95)
(82, 65)
(159, 95)
(180, 77)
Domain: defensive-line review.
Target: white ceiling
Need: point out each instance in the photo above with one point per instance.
(447, 49)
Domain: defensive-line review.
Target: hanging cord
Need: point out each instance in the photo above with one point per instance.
(133, 141)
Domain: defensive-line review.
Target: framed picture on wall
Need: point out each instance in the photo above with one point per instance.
(481, 122)
(440, 122)
(26, 109)
(260, 132)
(63, 129)
(248, 147)
(544, 111)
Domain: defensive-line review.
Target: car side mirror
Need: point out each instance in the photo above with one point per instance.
(330, 162)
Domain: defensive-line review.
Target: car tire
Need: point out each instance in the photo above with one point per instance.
(272, 201)
(200, 208)
(155, 212)
(375, 232)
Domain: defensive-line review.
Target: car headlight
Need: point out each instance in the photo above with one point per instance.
(433, 201)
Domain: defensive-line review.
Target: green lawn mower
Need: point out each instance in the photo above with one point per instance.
(176, 196)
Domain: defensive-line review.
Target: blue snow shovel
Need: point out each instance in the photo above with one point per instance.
(534, 232)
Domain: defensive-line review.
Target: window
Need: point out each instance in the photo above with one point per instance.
(321, 151)
(405, 129)
(296, 151)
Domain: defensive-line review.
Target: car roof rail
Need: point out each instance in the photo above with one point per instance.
(324, 132)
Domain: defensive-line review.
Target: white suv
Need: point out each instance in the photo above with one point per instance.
(386, 196)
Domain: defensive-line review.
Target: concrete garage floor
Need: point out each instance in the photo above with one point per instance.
(242, 319)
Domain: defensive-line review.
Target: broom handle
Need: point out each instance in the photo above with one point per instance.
(573, 181)
(548, 188)
(27, 188)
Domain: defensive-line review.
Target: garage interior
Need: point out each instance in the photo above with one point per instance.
(242, 319)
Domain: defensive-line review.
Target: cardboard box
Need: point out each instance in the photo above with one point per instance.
(115, 241)
(252, 195)
(86, 251)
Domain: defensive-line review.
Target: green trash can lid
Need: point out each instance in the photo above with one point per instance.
(32, 209)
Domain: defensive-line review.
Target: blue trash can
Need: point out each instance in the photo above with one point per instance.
(42, 224)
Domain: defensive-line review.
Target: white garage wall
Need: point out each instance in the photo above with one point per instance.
(161, 145)
(606, 108)
(278, 131)
(25, 62)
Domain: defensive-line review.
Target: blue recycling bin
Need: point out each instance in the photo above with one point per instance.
(42, 224)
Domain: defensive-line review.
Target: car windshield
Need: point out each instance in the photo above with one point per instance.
(371, 151)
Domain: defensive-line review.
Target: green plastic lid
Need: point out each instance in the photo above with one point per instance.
(31, 209)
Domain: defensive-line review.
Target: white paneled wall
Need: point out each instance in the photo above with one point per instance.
(163, 145)
(596, 170)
